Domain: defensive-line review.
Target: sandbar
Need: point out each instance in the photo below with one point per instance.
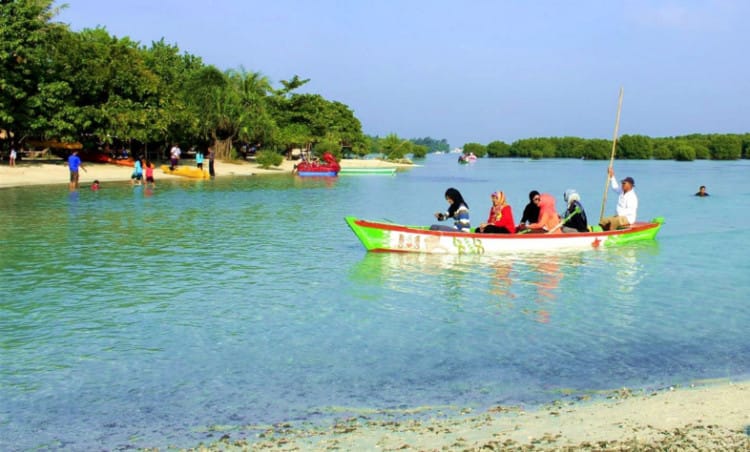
(43, 172)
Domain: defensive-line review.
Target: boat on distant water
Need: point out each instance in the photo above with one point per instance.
(330, 168)
(389, 171)
(390, 237)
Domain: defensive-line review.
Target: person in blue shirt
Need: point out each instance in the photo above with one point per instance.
(137, 177)
(74, 163)
(199, 159)
(458, 210)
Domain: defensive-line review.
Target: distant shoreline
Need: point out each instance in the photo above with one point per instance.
(35, 172)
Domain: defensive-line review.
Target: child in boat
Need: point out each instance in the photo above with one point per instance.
(457, 209)
(500, 220)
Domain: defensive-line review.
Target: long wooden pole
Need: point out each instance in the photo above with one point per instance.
(612, 157)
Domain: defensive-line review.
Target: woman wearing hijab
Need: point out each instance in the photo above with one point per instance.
(548, 217)
(500, 220)
(457, 209)
(575, 215)
(531, 211)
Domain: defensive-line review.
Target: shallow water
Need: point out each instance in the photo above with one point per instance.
(140, 318)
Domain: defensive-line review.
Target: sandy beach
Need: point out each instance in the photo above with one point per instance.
(704, 416)
(37, 172)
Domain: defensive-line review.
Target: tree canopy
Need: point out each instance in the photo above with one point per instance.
(65, 85)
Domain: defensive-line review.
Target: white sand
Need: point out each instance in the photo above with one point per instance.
(44, 173)
(711, 417)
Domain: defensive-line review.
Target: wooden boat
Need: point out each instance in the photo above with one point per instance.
(389, 171)
(330, 168)
(389, 237)
(186, 171)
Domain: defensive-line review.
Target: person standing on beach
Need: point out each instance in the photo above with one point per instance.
(12, 156)
(199, 159)
(74, 163)
(627, 204)
(211, 161)
(174, 156)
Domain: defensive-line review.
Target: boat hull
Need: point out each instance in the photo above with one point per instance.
(186, 171)
(375, 171)
(389, 237)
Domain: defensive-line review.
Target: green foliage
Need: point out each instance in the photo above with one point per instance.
(725, 147)
(419, 151)
(634, 147)
(394, 148)
(478, 149)
(683, 151)
(597, 149)
(498, 149)
(570, 147)
(332, 147)
(432, 144)
(663, 150)
(267, 158)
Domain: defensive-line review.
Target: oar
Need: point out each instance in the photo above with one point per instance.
(565, 220)
(612, 157)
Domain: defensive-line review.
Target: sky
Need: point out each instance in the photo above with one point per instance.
(473, 70)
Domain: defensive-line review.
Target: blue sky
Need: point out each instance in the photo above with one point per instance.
(474, 71)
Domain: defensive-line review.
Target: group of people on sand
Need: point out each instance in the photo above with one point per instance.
(540, 214)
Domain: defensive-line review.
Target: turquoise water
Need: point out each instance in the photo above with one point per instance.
(141, 318)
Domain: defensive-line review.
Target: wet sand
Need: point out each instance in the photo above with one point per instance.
(704, 416)
(37, 172)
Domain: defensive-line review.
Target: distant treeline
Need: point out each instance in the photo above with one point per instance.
(636, 147)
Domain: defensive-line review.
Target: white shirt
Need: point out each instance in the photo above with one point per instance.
(627, 203)
(175, 152)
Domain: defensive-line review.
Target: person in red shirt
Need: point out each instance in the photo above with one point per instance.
(500, 220)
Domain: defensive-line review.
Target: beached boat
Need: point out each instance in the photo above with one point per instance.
(330, 168)
(391, 237)
(388, 171)
(186, 171)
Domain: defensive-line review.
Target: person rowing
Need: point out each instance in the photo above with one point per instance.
(627, 203)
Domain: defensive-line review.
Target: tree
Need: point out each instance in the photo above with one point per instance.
(395, 148)
(725, 147)
(26, 37)
(432, 144)
(634, 147)
(224, 105)
(683, 151)
(498, 149)
(478, 149)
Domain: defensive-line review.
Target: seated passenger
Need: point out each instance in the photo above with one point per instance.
(531, 211)
(500, 220)
(575, 215)
(458, 210)
(548, 217)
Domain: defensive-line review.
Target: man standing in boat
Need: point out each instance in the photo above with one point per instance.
(627, 203)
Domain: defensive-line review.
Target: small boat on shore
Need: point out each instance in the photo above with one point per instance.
(329, 168)
(388, 171)
(390, 237)
(186, 171)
